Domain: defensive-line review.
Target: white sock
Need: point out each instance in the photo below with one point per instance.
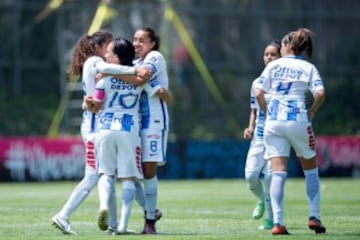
(139, 194)
(128, 192)
(151, 192)
(78, 195)
(105, 187)
(277, 196)
(268, 208)
(313, 191)
(113, 221)
(255, 185)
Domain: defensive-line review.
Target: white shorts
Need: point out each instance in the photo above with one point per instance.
(255, 161)
(280, 136)
(154, 143)
(90, 158)
(119, 152)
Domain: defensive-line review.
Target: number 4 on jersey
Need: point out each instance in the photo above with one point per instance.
(284, 87)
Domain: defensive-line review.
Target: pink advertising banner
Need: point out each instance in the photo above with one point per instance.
(43, 159)
(338, 151)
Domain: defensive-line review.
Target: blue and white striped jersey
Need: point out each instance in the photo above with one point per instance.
(286, 80)
(260, 115)
(121, 104)
(154, 110)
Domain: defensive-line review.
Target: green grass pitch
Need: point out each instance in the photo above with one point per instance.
(193, 209)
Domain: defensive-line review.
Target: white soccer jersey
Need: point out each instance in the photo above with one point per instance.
(118, 140)
(260, 116)
(154, 110)
(286, 80)
(121, 104)
(88, 83)
(92, 66)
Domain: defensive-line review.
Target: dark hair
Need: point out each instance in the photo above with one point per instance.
(85, 48)
(124, 50)
(300, 41)
(276, 43)
(153, 37)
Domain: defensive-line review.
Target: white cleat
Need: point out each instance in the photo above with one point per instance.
(63, 225)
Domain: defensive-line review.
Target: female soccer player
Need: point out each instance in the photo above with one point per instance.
(155, 118)
(87, 57)
(288, 122)
(118, 142)
(255, 162)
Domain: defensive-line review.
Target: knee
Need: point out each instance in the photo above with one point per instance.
(252, 179)
(149, 170)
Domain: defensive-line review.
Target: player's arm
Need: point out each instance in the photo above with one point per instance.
(260, 97)
(132, 75)
(248, 132)
(165, 95)
(319, 99)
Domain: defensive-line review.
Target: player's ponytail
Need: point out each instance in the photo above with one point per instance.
(302, 41)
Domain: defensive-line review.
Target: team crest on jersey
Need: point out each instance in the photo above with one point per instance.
(128, 101)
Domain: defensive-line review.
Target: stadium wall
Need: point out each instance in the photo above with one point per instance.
(45, 159)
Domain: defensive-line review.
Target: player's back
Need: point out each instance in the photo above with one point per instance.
(121, 105)
(290, 78)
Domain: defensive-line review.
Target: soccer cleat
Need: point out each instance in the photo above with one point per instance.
(158, 214)
(267, 224)
(149, 227)
(63, 225)
(259, 210)
(110, 231)
(279, 230)
(316, 225)
(103, 219)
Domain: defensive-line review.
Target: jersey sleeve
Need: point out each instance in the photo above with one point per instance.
(316, 82)
(115, 69)
(253, 102)
(88, 75)
(155, 62)
(99, 94)
(264, 79)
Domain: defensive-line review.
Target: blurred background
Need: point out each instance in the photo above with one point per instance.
(214, 50)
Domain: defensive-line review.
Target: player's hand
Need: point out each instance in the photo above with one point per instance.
(248, 132)
(100, 76)
(143, 73)
(311, 114)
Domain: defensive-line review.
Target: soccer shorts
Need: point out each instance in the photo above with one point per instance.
(119, 153)
(90, 159)
(280, 136)
(154, 143)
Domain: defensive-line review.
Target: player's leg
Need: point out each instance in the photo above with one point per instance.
(268, 221)
(139, 194)
(303, 141)
(254, 165)
(279, 174)
(278, 150)
(81, 191)
(129, 171)
(128, 195)
(154, 145)
(106, 153)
